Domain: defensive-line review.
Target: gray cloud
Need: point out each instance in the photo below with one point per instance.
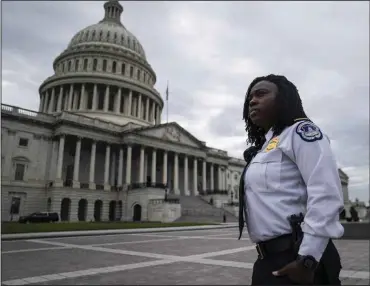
(210, 52)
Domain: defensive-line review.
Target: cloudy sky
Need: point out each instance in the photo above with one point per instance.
(210, 52)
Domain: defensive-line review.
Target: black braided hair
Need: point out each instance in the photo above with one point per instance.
(289, 108)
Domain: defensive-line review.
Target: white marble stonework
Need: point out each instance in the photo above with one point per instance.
(96, 148)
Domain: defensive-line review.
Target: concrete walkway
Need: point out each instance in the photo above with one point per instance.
(17, 236)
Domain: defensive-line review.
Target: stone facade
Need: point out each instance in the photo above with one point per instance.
(90, 169)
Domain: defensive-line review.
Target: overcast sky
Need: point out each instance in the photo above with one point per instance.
(210, 52)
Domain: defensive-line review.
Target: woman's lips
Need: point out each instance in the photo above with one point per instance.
(253, 112)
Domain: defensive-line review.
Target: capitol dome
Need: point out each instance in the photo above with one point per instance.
(109, 31)
(103, 73)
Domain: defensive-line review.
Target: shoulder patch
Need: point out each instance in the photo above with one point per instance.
(308, 131)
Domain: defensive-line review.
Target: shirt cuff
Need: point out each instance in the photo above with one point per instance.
(313, 245)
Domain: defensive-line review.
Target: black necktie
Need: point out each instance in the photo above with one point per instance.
(248, 156)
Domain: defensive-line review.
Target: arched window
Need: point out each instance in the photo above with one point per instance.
(93, 35)
(138, 74)
(131, 71)
(87, 36)
(128, 42)
(108, 36)
(122, 40)
(69, 65)
(100, 35)
(104, 65)
(114, 67)
(115, 37)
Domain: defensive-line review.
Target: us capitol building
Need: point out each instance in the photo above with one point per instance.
(96, 150)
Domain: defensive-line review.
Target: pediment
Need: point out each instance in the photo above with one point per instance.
(172, 132)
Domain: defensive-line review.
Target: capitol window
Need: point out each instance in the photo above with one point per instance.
(95, 64)
(114, 67)
(104, 65)
(138, 74)
(123, 69)
(19, 167)
(76, 65)
(131, 71)
(85, 64)
(19, 172)
(69, 65)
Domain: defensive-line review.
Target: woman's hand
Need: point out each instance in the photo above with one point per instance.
(296, 272)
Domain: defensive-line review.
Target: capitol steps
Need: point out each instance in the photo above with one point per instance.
(195, 209)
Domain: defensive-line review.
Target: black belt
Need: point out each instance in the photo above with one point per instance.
(275, 245)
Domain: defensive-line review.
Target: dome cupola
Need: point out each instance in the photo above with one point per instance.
(104, 74)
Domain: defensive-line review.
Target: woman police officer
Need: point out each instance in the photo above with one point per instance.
(290, 169)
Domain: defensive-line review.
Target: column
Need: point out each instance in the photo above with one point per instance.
(165, 167)
(60, 160)
(70, 97)
(139, 115)
(106, 99)
(219, 185)
(129, 105)
(145, 166)
(128, 164)
(75, 100)
(82, 98)
(212, 178)
(118, 101)
(76, 167)
(158, 118)
(41, 105)
(204, 175)
(51, 102)
(225, 179)
(186, 179)
(152, 118)
(134, 106)
(176, 175)
(92, 166)
(106, 168)
(141, 171)
(195, 177)
(147, 109)
(120, 167)
(112, 171)
(60, 97)
(95, 98)
(46, 98)
(154, 166)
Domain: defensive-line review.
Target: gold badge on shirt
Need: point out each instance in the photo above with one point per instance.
(272, 144)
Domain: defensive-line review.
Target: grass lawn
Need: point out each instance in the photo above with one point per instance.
(15, 227)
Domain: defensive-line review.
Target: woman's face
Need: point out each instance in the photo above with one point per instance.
(262, 107)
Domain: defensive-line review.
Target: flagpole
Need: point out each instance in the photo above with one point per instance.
(167, 100)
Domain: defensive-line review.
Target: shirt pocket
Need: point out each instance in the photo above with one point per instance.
(263, 174)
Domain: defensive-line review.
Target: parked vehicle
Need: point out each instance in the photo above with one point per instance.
(39, 217)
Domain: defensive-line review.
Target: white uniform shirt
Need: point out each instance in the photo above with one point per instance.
(294, 172)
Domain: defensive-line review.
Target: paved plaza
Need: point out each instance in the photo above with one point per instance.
(183, 257)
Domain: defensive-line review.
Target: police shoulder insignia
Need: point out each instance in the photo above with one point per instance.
(308, 131)
(272, 144)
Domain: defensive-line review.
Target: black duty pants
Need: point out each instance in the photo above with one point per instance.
(263, 268)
